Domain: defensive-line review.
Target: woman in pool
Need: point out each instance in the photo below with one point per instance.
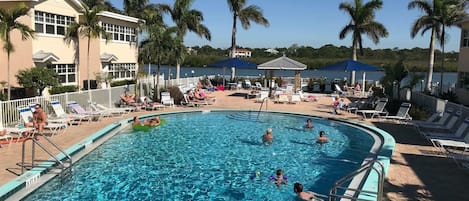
(322, 137)
(309, 123)
(267, 138)
(308, 195)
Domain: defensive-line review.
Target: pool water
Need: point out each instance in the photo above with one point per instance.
(214, 156)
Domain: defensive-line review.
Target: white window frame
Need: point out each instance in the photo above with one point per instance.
(65, 70)
(121, 70)
(120, 33)
(44, 20)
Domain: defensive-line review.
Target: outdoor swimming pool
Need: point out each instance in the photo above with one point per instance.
(214, 156)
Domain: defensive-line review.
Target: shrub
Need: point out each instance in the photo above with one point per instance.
(122, 83)
(3, 97)
(63, 89)
(176, 94)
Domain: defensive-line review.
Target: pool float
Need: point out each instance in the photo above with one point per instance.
(146, 127)
(274, 177)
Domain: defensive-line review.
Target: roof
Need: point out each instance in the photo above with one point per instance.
(45, 57)
(120, 17)
(282, 63)
(107, 58)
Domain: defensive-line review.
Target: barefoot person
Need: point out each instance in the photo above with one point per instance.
(304, 195)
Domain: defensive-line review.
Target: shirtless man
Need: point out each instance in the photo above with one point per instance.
(39, 118)
(308, 195)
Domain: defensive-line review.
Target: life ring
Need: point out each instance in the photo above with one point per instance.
(147, 128)
(274, 177)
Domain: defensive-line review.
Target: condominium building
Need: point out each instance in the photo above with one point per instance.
(241, 53)
(50, 20)
(462, 87)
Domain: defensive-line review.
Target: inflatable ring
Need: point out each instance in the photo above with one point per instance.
(145, 127)
(274, 177)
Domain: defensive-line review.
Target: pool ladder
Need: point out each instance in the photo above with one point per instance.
(64, 166)
(264, 100)
(353, 194)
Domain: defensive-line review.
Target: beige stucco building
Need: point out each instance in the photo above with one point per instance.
(462, 87)
(50, 19)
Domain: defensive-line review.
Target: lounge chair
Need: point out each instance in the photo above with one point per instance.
(247, 84)
(166, 99)
(402, 113)
(124, 110)
(258, 86)
(295, 98)
(379, 109)
(460, 133)
(445, 127)
(341, 92)
(107, 112)
(6, 137)
(263, 96)
(444, 117)
(189, 103)
(72, 118)
(148, 104)
(27, 116)
(282, 98)
(77, 109)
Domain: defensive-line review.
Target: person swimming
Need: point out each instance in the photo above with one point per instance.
(322, 137)
(304, 195)
(280, 178)
(267, 138)
(309, 123)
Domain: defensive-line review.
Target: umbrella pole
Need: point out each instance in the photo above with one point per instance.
(363, 85)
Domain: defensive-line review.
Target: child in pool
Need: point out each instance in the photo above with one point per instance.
(280, 178)
(309, 124)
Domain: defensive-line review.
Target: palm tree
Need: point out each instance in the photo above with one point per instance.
(186, 19)
(452, 11)
(135, 8)
(246, 15)
(102, 4)
(8, 23)
(424, 23)
(89, 27)
(362, 22)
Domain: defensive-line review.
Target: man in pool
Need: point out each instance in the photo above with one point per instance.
(309, 123)
(308, 195)
(267, 138)
(322, 137)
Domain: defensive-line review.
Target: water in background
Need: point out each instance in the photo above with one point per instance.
(448, 78)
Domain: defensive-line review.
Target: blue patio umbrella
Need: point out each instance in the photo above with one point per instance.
(352, 66)
(233, 63)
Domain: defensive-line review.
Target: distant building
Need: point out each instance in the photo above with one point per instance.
(191, 51)
(462, 86)
(271, 51)
(241, 53)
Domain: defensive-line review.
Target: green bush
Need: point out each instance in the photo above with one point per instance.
(3, 97)
(63, 89)
(122, 83)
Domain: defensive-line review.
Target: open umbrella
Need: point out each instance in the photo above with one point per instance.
(232, 63)
(352, 66)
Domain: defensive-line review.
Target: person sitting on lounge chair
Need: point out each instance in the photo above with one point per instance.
(199, 94)
(129, 99)
(39, 119)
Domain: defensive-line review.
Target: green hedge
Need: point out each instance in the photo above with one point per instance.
(122, 83)
(63, 89)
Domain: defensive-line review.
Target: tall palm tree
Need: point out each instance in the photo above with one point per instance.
(186, 19)
(362, 22)
(102, 4)
(424, 23)
(88, 27)
(135, 8)
(452, 11)
(8, 23)
(246, 15)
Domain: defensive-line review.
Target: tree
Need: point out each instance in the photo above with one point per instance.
(135, 8)
(8, 23)
(38, 78)
(89, 28)
(452, 11)
(246, 15)
(101, 4)
(186, 19)
(362, 22)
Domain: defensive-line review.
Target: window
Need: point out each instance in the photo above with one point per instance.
(120, 33)
(53, 24)
(465, 38)
(122, 70)
(67, 72)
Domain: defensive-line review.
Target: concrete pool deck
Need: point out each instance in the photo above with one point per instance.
(417, 171)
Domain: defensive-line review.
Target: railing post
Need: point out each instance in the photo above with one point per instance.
(1, 114)
(109, 89)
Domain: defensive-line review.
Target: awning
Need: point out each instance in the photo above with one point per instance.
(45, 57)
(108, 58)
(282, 63)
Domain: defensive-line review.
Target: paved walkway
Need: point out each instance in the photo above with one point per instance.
(417, 172)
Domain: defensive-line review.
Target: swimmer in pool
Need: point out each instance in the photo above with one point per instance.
(267, 138)
(309, 124)
(322, 137)
(304, 195)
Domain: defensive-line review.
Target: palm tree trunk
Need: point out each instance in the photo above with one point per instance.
(442, 58)
(233, 36)
(178, 71)
(88, 67)
(158, 82)
(354, 50)
(431, 61)
(8, 75)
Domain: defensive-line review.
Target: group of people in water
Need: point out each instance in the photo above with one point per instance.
(279, 178)
(268, 137)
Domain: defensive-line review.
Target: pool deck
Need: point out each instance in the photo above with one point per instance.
(417, 171)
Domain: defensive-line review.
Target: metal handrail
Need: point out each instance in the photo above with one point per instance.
(366, 167)
(33, 150)
(260, 108)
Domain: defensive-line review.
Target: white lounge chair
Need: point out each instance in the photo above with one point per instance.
(282, 98)
(460, 133)
(295, 98)
(188, 103)
(107, 112)
(402, 113)
(77, 109)
(444, 117)
(166, 99)
(379, 109)
(7, 137)
(263, 96)
(445, 127)
(124, 110)
(72, 118)
(247, 84)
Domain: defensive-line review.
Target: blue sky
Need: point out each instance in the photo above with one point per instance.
(306, 22)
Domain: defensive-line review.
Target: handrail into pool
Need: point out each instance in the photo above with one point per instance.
(367, 167)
